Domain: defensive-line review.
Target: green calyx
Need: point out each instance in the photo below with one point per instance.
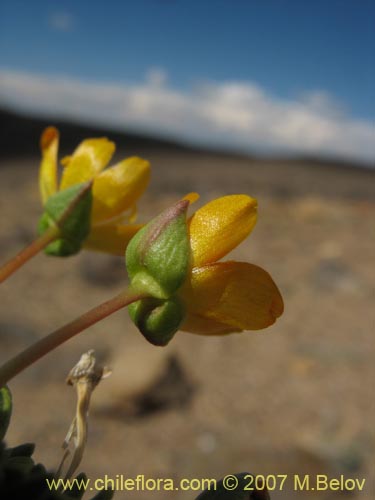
(158, 257)
(157, 261)
(157, 319)
(70, 211)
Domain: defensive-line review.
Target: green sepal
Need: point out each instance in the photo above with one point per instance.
(158, 256)
(70, 211)
(157, 319)
(61, 247)
(5, 410)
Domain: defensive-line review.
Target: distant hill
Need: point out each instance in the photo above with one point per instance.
(20, 135)
(276, 176)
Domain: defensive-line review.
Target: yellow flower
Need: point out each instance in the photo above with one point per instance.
(225, 297)
(115, 190)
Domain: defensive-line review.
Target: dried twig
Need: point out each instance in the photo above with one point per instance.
(85, 376)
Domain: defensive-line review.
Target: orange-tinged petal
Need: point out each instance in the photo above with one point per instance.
(87, 161)
(219, 226)
(49, 144)
(193, 323)
(65, 161)
(191, 197)
(111, 238)
(118, 188)
(237, 294)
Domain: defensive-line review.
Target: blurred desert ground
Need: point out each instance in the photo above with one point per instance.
(297, 398)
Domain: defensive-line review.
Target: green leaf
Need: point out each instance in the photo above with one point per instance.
(77, 491)
(70, 211)
(5, 410)
(22, 465)
(21, 478)
(244, 488)
(104, 495)
(23, 450)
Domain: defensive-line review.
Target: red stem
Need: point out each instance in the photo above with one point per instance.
(27, 253)
(43, 346)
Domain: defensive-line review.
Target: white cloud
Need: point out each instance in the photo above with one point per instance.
(61, 21)
(237, 115)
(157, 76)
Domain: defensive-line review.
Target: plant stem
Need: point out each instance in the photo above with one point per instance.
(43, 346)
(27, 253)
(47, 237)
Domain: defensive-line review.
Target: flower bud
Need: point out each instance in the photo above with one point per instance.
(70, 211)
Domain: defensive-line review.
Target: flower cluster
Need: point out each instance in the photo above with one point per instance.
(174, 260)
(178, 280)
(114, 194)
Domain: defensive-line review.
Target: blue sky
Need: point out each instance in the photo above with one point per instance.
(314, 54)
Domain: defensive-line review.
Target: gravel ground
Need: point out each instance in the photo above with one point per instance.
(295, 399)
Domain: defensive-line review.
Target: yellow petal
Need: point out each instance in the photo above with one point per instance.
(118, 188)
(219, 226)
(49, 144)
(65, 161)
(193, 323)
(111, 238)
(237, 294)
(191, 197)
(87, 161)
